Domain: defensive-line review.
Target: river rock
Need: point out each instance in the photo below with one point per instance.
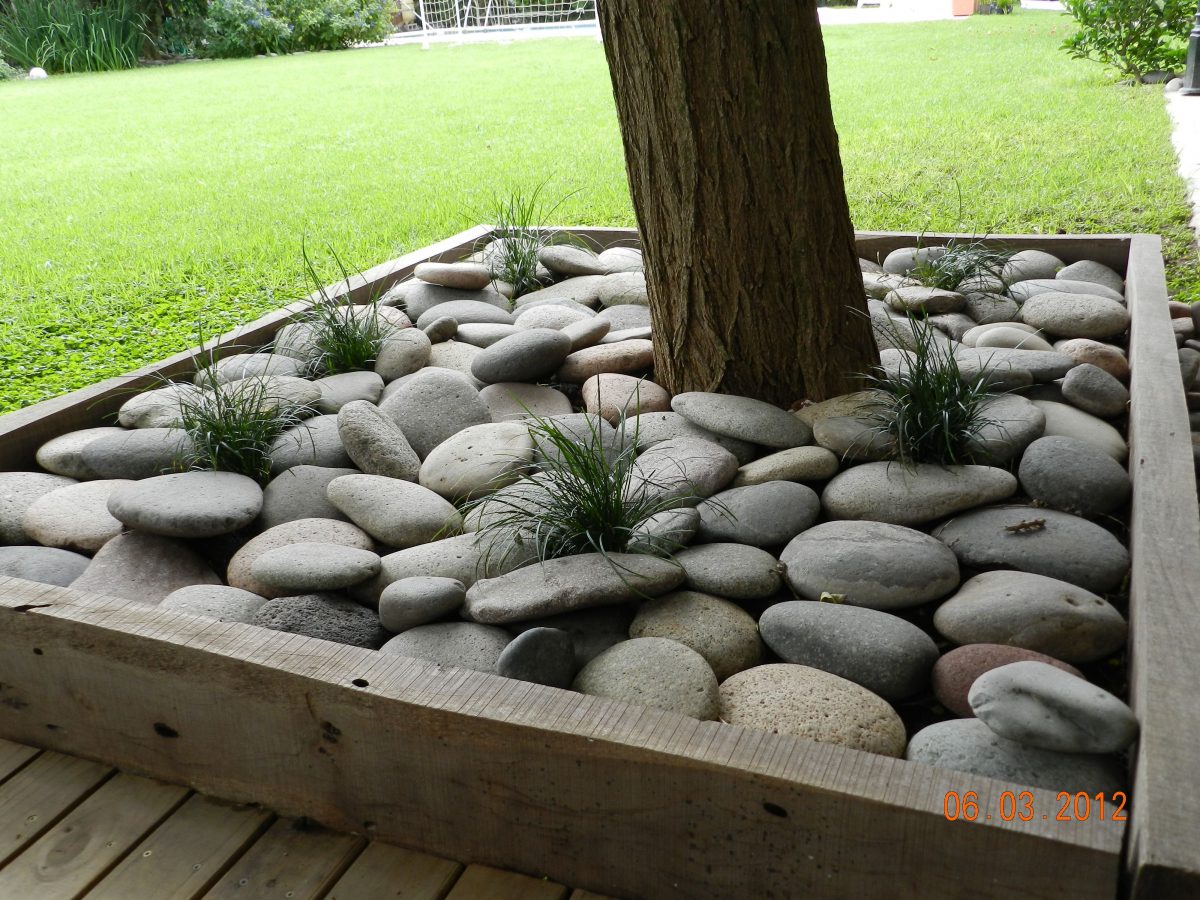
(143, 567)
(403, 353)
(743, 418)
(1074, 476)
(19, 491)
(887, 655)
(1092, 271)
(419, 600)
(624, 317)
(1009, 424)
(462, 275)
(587, 333)
(569, 583)
(1032, 611)
(158, 408)
(720, 631)
(397, 513)
(464, 645)
(1095, 391)
(484, 334)
(1043, 541)
(567, 259)
(1035, 287)
(1041, 365)
(553, 316)
(464, 557)
(1067, 421)
(541, 656)
(621, 259)
(931, 301)
(314, 566)
(297, 340)
(615, 396)
(870, 564)
(375, 443)
(955, 672)
(214, 601)
(1012, 338)
(299, 493)
(329, 617)
(624, 357)
(814, 705)
(441, 329)
(516, 400)
(418, 297)
(478, 460)
(1042, 706)
(457, 357)
(985, 307)
(1027, 264)
(338, 390)
(910, 495)
(735, 571)
(968, 745)
(433, 405)
(903, 260)
(525, 356)
(796, 464)
(662, 533)
(584, 290)
(1108, 357)
(762, 515)
(250, 365)
(74, 517)
(624, 288)
(1075, 315)
(45, 565)
(953, 325)
(316, 442)
(188, 504)
(300, 531)
(853, 439)
(971, 338)
(63, 455)
(139, 453)
(684, 469)
(655, 672)
(650, 428)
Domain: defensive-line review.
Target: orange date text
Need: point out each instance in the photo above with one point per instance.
(1020, 806)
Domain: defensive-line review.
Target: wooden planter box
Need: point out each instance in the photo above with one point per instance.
(619, 799)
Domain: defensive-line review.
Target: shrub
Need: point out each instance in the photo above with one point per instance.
(71, 35)
(251, 27)
(244, 28)
(1135, 37)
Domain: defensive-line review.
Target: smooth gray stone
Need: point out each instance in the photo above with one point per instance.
(417, 297)
(45, 565)
(587, 333)
(463, 312)
(592, 630)
(1033, 287)
(953, 325)
(569, 260)
(1010, 423)
(517, 400)
(441, 328)
(586, 429)
(1189, 368)
(314, 566)
(463, 275)
(743, 418)
(853, 439)
(403, 353)
(796, 464)
(1042, 365)
(299, 493)
(1026, 264)
(338, 390)
(74, 517)
(18, 492)
(1042, 541)
(539, 655)
(903, 260)
(720, 631)
(464, 645)
(1034, 612)
(419, 600)
(584, 290)
(911, 495)
(478, 460)
(553, 315)
(1095, 391)
(736, 571)
(683, 469)
(249, 365)
(1091, 271)
(986, 308)
(932, 301)
(1038, 705)
(656, 672)
(1074, 476)
(139, 453)
(216, 601)
(188, 504)
(312, 443)
(761, 515)
(624, 288)
(156, 408)
(642, 333)
(398, 513)
(375, 443)
(329, 531)
(484, 334)
(143, 567)
(1070, 315)
(1067, 421)
(63, 455)
(871, 564)
(433, 405)
(664, 532)
(526, 356)
(567, 584)
(887, 655)
(621, 259)
(968, 745)
(330, 617)
(650, 428)
(624, 317)
(296, 340)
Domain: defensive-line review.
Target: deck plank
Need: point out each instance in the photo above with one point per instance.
(13, 756)
(385, 871)
(290, 860)
(38, 795)
(89, 840)
(186, 854)
(581, 894)
(486, 883)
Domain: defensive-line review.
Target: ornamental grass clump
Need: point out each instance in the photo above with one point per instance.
(517, 238)
(962, 263)
(346, 337)
(930, 411)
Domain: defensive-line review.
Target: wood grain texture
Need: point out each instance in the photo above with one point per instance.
(386, 872)
(89, 840)
(186, 854)
(40, 794)
(1164, 840)
(486, 883)
(13, 757)
(292, 860)
(618, 799)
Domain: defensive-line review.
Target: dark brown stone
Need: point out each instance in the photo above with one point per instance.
(957, 670)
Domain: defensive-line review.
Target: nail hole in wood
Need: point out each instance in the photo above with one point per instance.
(360, 682)
(775, 810)
(163, 730)
(37, 651)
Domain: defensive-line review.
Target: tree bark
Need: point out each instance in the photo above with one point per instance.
(734, 169)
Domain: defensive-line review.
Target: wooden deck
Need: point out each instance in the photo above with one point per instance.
(72, 828)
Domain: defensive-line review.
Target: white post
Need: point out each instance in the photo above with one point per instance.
(424, 25)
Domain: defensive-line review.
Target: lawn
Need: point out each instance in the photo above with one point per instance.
(141, 208)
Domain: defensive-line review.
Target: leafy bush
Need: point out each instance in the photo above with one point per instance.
(1134, 37)
(244, 28)
(71, 35)
(251, 27)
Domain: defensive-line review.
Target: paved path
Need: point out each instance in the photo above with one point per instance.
(1185, 135)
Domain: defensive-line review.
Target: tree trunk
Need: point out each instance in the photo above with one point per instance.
(736, 180)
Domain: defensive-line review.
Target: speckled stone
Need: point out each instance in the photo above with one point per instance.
(464, 645)
(615, 396)
(736, 571)
(398, 513)
(403, 353)
(814, 705)
(720, 631)
(762, 515)
(890, 492)
(314, 566)
(685, 469)
(75, 517)
(655, 672)
(375, 443)
(516, 400)
(63, 455)
(214, 601)
(45, 565)
(299, 493)
(419, 600)
(143, 567)
(525, 356)
(188, 504)
(330, 617)
(478, 460)
(19, 491)
(434, 404)
(299, 531)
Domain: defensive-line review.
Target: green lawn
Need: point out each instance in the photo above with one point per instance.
(139, 207)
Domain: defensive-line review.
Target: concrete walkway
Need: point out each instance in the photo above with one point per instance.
(1185, 135)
